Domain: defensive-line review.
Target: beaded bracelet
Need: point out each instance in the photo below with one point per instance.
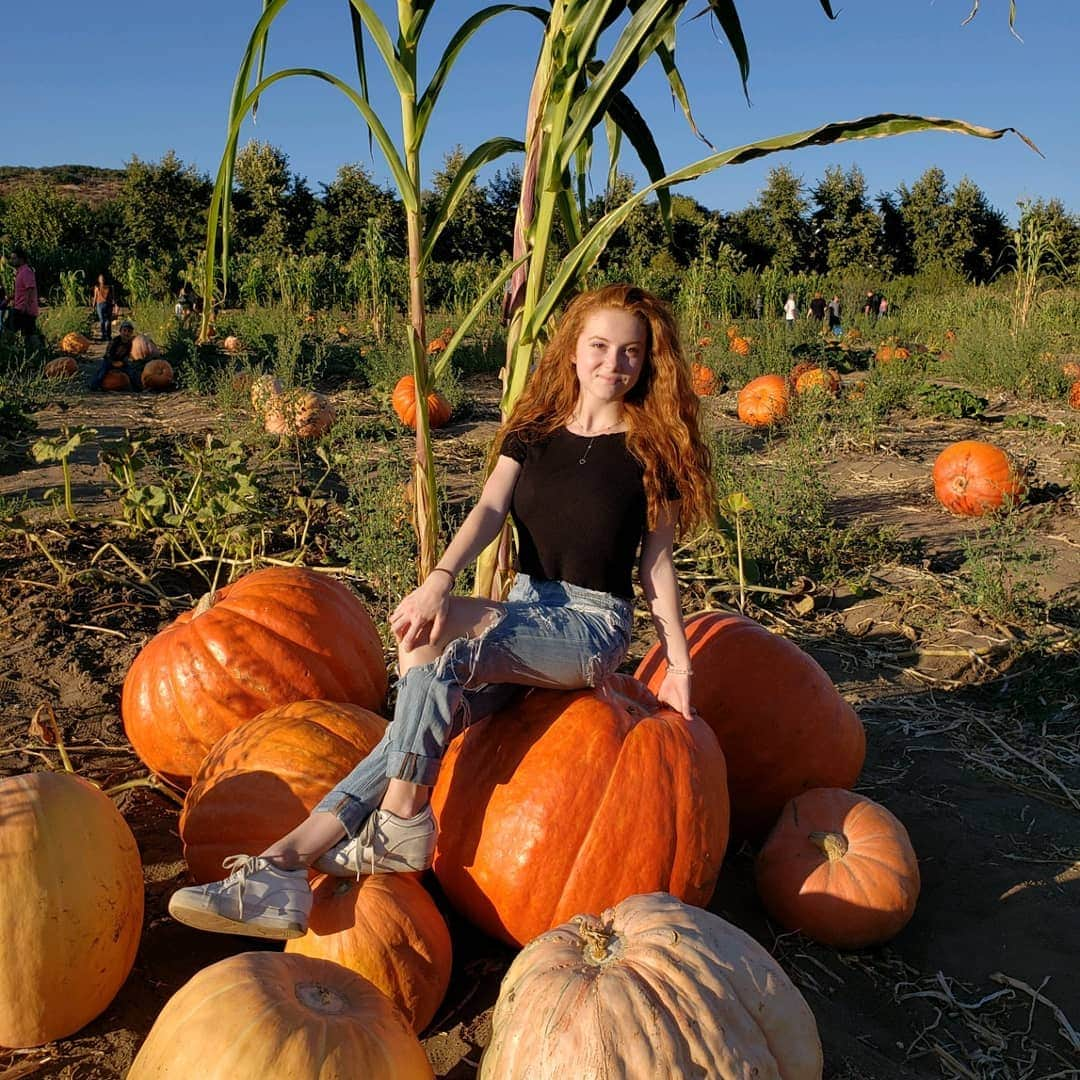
(452, 577)
(679, 670)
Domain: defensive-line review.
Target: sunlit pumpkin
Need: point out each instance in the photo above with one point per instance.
(703, 380)
(531, 834)
(840, 868)
(650, 988)
(115, 379)
(387, 928)
(972, 478)
(74, 343)
(404, 401)
(157, 375)
(63, 367)
(143, 347)
(272, 1014)
(764, 401)
(343, 332)
(436, 345)
(1071, 369)
(889, 352)
(232, 345)
(71, 905)
(740, 346)
(275, 636)
(265, 776)
(824, 380)
(264, 389)
(781, 722)
(1074, 395)
(299, 413)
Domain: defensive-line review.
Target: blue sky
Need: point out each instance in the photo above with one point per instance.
(93, 85)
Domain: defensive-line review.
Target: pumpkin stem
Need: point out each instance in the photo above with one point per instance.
(834, 844)
(321, 999)
(597, 941)
(206, 602)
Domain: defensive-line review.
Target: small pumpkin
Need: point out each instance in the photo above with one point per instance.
(651, 987)
(265, 776)
(840, 868)
(157, 375)
(824, 380)
(310, 319)
(74, 343)
(387, 928)
(343, 331)
(732, 332)
(1074, 395)
(703, 379)
(143, 347)
(780, 721)
(740, 346)
(274, 636)
(115, 379)
(436, 345)
(63, 367)
(529, 835)
(262, 1014)
(232, 345)
(71, 905)
(764, 401)
(1071, 369)
(299, 413)
(889, 352)
(972, 478)
(800, 368)
(404, 401)
(264, 390)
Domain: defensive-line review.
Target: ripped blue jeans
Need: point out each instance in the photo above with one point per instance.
(550, 634)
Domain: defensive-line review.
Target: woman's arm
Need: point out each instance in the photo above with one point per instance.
(657, 573)
(419, 618)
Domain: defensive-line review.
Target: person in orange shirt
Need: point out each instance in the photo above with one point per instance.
(23, 310)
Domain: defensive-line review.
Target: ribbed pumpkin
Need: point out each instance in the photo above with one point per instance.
(63, 367)
(799, 369)
(1071, 369)
(115, 379)
(71, 905)
(703, 380)
(143, 347)
(275, 636)
(264, 777)
(740, 346)
(650, 988)
(823, 380)
(264, 389)
(157, 375)
(299, 414)
(840, 868)
(74, 343)
(763, 401)
(569, 801)
(781, 723)
(387, 928)
(404, 401)
(272, 1014)
(972, 478)
(1074, 395)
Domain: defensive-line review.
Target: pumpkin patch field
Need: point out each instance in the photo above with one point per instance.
(860, 861)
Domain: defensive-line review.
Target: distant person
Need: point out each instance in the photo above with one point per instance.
(23, 306)
(871, 304)
(185, 303)
(118, 358)
(104, 302)
(790, 310)
(883, 308)
(759, 305)
(834, 314)
(3, 304)
(816, 310)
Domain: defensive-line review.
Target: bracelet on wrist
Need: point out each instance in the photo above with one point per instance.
(672, 670)
(451, 576)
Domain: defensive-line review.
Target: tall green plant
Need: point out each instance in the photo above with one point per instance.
(1037, 266)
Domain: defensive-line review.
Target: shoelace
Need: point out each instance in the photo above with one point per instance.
(239, 866)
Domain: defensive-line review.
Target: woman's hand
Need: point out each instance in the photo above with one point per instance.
(420, 617)
(675, 691)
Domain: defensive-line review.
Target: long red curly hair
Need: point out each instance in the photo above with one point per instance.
(660, 410)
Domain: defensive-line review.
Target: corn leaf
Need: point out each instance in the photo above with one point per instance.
(361, 63)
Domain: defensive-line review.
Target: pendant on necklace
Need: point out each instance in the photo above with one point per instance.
(581, 460)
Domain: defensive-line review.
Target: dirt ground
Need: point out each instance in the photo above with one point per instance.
(972, 742)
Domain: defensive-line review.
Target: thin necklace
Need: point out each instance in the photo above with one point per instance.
(593, 436)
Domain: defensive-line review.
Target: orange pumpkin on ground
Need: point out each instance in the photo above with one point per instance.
(650, 988)
(972, 478)
(74, 343)
(63, 367)
(840, 868)
(264, 389)
(264, 777)
(436, 345)
(274, 636)
(143, 347)
(887, 353)
(343, 332)
(540, 804)
(157, 375)
(404, 401)
(781, 723)
(1071, 369)
(273, 1014)
(764, 401)
(1074, 395)
(740, 346)
(703, 380)
(232, 345)
(801, 368)
(71, 905)
(387, 928)
(115, 379)
(299, 414)
(822, 379)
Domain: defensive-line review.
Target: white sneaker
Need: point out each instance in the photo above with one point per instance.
(257, 899)
(385, 844)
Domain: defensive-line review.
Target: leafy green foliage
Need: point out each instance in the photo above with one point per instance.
(948, 401)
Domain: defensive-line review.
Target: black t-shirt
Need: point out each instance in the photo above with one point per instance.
(817, 307)
(579, 521)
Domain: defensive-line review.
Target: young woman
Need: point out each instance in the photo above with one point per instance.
(103, 303)
(600, 464)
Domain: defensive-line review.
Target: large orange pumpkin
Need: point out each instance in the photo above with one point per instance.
(404, 401)
(74, 343)
(63, 367)
(971, 478)
(272, 1014)
(387, 928)
(275, 636)
(264, 777)
(143, 347)
(157, 375)
(115, 379)
(650, 988)
(781, 723)
(71, 905)
(763, 401)
(569, 801)
(703, 380)
(840, 868)
(299, 414)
